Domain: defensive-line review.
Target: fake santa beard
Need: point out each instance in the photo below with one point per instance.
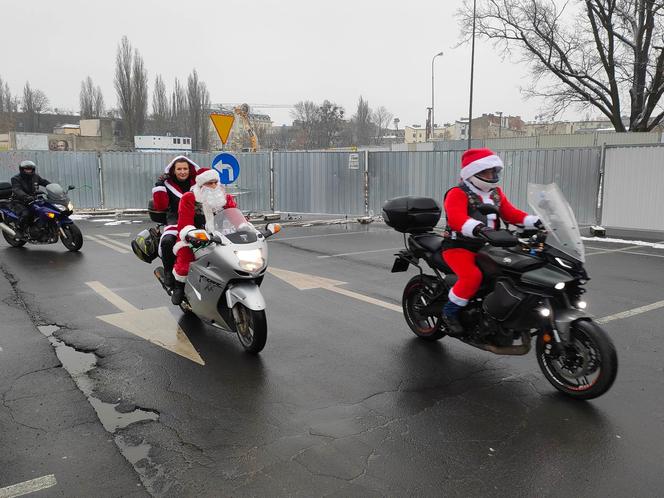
(212, 198)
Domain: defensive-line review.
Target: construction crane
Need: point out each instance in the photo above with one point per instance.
(243, 112)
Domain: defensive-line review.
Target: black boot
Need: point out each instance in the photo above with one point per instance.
(451, 321)
(169, 279)
(178, 293)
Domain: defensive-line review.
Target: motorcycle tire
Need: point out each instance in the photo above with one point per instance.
(12, 241)
(251, 328)
(416, 295)
(74, 240)
(588, 366)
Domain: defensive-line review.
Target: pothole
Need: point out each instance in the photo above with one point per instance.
(78, 364)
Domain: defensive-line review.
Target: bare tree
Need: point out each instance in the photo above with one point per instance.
(305, 117)
(139, 90)
(161, 109)
(382, 119)
(362, 121)
(179, 109)
(2, 96)
(198, 103)
(91, 100)
(123, 87)
(35, 103)
(607, 53)
(396, 124)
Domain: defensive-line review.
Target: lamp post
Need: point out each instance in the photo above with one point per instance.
(472, 71)
(500, 122)
(432, 92)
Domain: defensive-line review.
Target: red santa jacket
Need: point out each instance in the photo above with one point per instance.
(461, 221)
(190, 217)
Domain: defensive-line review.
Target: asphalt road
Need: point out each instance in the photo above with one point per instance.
(343, 401)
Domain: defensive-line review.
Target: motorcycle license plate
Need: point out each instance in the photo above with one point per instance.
(400, 265)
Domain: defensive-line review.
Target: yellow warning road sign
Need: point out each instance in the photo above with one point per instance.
(223, 124)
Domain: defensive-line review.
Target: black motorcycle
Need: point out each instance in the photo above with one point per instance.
(532, 288)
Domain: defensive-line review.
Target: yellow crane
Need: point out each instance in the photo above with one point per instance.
(243, 112)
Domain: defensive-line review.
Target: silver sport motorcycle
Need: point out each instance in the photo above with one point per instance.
(223, 285)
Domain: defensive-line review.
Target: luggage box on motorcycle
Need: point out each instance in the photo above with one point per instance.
(411, 214)
(156, 216)
(5, 190)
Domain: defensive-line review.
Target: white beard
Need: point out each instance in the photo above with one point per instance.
(213, 201)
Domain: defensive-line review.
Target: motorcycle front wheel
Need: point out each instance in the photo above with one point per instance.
(417, 296)
(72, 238)
(14, 242)
(586, 367)
(251, 328)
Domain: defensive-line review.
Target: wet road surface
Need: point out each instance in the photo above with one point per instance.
(343, 401)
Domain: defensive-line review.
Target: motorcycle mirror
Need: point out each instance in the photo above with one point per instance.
(217, 240)
(488, 209)
(273, 228)
(71, 187)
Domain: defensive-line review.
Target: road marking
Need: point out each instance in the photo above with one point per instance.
(106, 244)
(28, 487)
(155, 325)
(357, 252)
(302, 281)
(319, 236)
(114, 242)
(632, 312)
(605, 251)
(645, 254)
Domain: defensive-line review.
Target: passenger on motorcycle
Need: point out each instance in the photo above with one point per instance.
(25, 187)
(178, 178)
(480, 174)
(207, 197)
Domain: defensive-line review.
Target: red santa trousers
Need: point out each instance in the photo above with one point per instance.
(462, 262)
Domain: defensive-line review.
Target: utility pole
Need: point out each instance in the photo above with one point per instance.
(472, 74)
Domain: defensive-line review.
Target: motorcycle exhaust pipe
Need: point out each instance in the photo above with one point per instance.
(8, 230)
(523, 348)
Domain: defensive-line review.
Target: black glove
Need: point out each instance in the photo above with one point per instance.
(28, 199)
(539, 225)
(480, 229)
(498, 238)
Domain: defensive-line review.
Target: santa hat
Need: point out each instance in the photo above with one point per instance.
(181, 158)
(475, 160)
(206, 175)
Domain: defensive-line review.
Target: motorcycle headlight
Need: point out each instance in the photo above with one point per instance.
(70, 206)
(60, 207)
(250, 260)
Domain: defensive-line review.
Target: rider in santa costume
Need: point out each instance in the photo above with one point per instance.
(480, 174)
(196, 211)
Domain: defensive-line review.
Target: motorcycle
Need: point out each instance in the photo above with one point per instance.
(532, 288)
(50, 211)
(223, 284)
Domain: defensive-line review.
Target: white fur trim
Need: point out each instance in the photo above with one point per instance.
(469, 226)
(206, 176)
(475, 167)
(178, 246)
(530, 220)
(459, 301)
(183, 233)
(161, 188)
(181, 158)
(172, 188)
(178, 277)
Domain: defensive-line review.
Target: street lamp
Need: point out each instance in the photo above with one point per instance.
(472, 73)
(500, 122)
(432, 87)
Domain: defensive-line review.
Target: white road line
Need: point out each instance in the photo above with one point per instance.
(632, 312)
(645, 254)
(605, 251)
(366, 299)
(111, 297)
(28, 487)
(106, 244)
(111, 241)
(319, 236)
(358, 252)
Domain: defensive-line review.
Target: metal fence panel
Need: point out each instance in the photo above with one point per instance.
(633, 186)
(318, 182)
(66, 168)
(130, 176)
(431, 174)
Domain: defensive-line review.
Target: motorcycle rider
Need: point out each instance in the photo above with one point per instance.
(480, 174)
(207, 197)
(178, 178)
(25, 187)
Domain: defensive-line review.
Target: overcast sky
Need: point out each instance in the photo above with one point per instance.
(264, 52)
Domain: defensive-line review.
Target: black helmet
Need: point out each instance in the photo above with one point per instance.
(146, 246)
(26, 166)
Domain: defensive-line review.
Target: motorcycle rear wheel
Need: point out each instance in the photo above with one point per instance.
(251, 328)
(586, 368)
(74, 238)
(418, 294)
(12, 241)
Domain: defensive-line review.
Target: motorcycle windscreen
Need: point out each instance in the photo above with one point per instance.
(555, 212)
(232, 224)
(55, 192)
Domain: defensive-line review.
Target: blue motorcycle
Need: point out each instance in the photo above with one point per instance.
(50, 213)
